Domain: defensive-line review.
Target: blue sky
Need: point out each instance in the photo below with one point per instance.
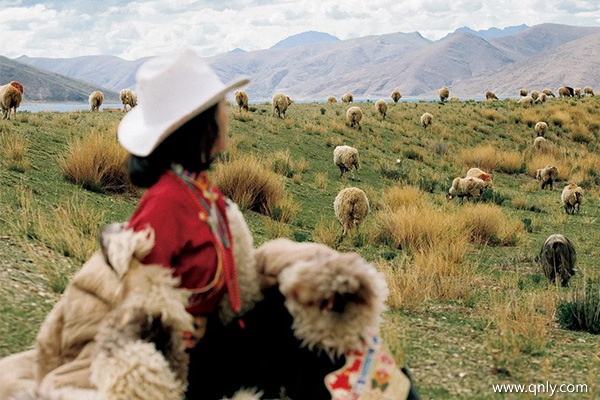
(134, 29)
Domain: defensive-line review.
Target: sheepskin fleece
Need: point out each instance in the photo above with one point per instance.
(571, 195)
(245, 263)
(65, 342)
(17, 373)
(280, 104)
(10, 97)
(306, 285)
(354, 115)
(346, 158)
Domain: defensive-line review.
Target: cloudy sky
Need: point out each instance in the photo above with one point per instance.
(134, 29)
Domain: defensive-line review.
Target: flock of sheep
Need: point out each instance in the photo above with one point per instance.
(127, 96)
(351, 205)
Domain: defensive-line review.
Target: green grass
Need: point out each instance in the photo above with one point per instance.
(451, 345)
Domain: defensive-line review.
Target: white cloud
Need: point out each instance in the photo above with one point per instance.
(146, 27)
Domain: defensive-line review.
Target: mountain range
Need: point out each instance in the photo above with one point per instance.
(314, 65)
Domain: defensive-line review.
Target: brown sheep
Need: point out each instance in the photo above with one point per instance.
(128, 98)
(548, 92)
(557, 259)
(396, 95)
(490, 96)
(444, 93)
(280, 104)
(381, 107)
(10, 100)
(348, 98)
(241, 98)
(547, 175)
(96, 99)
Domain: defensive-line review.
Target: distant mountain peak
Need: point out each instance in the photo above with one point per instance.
(301, 39)
(493, 32)
(237, 50)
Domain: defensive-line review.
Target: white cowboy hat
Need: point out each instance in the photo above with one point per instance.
(171, 90)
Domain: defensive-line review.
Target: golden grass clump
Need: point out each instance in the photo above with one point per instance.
(321, 179)
(396, 197)
(487, 224)
(14, 151)
(485, 157)
(510, 162)
(327, 232)
(250, 184)
(96, 162)
(579, 132)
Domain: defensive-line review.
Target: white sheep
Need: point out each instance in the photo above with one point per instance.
(444, 93)
(548, 92)
(525, 101)
(571, 196)
(331, 100)
(541, 98)
(577, 92)
(346, 158)
(348, 98)
(280, 104)
(96, 99)
(558, 258)
(396, 95)
(470, 187)
(484, 176)
(128, 98)
(381, 107)
(541, 128)
(588, 91)
(351, 207)
(426, 119)
(540, 144)
(489, 95)
(353, 116)
(241, 99)
(10, 100)
(523, 92)
(547, 175)
(535, 94)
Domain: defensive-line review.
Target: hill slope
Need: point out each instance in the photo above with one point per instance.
(42, 85)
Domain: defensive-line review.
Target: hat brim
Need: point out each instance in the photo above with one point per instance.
(141, 139)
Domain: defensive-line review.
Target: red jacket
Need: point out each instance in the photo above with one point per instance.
(184, 241)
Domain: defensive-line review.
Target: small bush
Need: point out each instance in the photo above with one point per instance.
(581, 310)
(250, 184)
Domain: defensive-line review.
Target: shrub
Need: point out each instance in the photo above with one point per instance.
(250, 184)
(97, 163)
(581, 310)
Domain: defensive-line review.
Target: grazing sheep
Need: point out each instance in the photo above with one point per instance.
(541, 98)
(525, 101)
(557, 259)
(346, 158)
(547, 175)
(128, 98)
(396, 95)
(96, 99)
(444, 93)
(10, 100)
(541, 128)
(548, 92)
(332, 100)
(18, 85)
(426, 119)
(351, 206)
(523, 92)
(381, 107)
(280, 104)
(588, 91)
(565, 91)
(353, 116)
(577, 92)
(571, 196)
(348, 98)
(484, 176)
(540, 144)
(454, 98)
(490, 95)
(469, 187)
(534, 94)
(241, 99)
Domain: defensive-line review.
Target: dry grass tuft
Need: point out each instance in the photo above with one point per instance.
(13, 151)
(485, 157)
(250, 184)
(97, 163)
(487, 224)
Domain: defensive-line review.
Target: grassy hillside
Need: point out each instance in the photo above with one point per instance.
(469, 306)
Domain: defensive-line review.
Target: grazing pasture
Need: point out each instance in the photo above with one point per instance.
(469, 305)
